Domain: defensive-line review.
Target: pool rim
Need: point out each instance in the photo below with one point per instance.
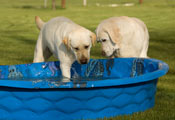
(162, 70)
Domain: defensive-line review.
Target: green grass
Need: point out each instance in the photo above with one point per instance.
(18, 35)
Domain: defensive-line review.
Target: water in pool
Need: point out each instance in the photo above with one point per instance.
(53, 82)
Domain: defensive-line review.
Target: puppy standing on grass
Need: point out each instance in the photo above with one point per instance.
(65, 40)
(123, 37)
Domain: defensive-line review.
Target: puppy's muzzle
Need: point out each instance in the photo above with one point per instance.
(83, 60)
(115, 53)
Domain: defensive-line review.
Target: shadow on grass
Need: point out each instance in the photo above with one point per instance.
(24, 39)
(15, 57)
(37, 7)
(19, 36)
(28, 7)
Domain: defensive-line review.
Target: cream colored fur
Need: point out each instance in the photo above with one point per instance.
(65, 40)
(123, 37)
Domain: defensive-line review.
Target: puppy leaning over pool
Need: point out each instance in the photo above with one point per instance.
(123, 37)
(65, 40)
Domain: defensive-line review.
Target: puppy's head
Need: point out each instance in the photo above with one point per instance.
(80, 42)
(109, 37)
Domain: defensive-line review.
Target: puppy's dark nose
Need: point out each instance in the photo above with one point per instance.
(84, 61)
(103, 53)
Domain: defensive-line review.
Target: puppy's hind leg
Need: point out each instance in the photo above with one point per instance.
(47, 53)
(38, 53)
(145, 44)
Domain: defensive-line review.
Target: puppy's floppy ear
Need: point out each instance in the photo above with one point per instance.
(93, 38)
(66, 42)
(113, 33)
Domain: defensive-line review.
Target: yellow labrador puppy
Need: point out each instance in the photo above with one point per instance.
(65, 40)
(123, 37)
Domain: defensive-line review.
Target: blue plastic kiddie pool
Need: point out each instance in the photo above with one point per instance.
(102, 88)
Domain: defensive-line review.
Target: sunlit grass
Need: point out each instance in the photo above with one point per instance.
(18, 35)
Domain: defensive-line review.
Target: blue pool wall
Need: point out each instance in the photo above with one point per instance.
(78, 103)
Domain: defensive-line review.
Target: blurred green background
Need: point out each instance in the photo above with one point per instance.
(18, 36)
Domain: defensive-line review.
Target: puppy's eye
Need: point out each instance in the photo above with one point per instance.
(76, 49)
(103, 40)
(86, 47)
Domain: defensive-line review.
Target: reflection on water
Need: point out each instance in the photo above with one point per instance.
(60, 79)
(53, 82)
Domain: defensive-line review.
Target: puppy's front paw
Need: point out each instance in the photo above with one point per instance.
(65, 79)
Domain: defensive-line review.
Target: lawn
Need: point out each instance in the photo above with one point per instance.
(18, 35)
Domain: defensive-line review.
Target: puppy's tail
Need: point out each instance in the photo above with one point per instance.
(39, 22)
